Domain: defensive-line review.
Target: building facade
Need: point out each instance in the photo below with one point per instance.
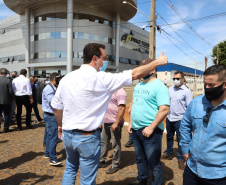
(49, 36)
(194, 78)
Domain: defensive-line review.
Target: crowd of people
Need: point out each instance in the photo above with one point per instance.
(85, 110)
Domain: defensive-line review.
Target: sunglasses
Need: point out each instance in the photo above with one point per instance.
(176, 78)
(206, 118)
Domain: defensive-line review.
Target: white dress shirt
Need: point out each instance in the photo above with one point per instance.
(84, 94)
(21, 86)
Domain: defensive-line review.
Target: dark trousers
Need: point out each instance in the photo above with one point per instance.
(23, 100)
(171, 128)
(35, 108)
(148, 153)
(190, 178)
(6, 109)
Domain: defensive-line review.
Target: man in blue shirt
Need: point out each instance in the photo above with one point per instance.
(150, 107)
(49, 118)
(180, 97)
(203, 132)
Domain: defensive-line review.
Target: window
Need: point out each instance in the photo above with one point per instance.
(22, 57)
(11, 59)
(133, 62)
(2, 31)
(123, 60)
(109, 40)
(80, 35)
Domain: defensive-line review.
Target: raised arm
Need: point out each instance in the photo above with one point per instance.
(142, 71)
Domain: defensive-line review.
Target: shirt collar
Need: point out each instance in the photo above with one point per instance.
(88, 68)
(22, 76)
(210, 105)
(181, 87)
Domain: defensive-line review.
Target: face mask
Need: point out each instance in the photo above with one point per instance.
(104, 67)
(7, 76)
(147, 76)
(176, 82)
(214, 93)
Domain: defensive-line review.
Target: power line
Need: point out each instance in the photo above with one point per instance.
(190, 27)
(187, 44)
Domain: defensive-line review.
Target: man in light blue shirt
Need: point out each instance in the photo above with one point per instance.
(51, 129)
(150, 107)
(180, 97)
(203, 132)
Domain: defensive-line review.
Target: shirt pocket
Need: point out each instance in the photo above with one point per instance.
(220, 128)
(197, 128)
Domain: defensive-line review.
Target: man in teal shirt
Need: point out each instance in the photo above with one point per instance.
(150, 107)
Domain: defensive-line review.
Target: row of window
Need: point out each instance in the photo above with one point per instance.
(78, 16)
(13, 58)
(76, 35)
(63, 54)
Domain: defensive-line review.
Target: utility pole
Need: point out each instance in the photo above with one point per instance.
(195, 81)
(152, 39)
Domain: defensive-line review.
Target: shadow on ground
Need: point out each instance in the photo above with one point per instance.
(25, 178)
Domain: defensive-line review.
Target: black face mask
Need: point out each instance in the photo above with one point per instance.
(147, 76)
(214, 93)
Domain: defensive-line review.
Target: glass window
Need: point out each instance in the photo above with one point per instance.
(80, 35)
(80, 54)
(101, 38)
(63, 54)
(22, 57)
(64, 35)
(109, 40)
(91, 37)
(137, 62)
(75, 54)
(86, 36)
(106, 22)
(36, 37)
(52, 35)
(57, 35)
(48, 35)
(57, 54)
(2, 31)
(123, 60)
(75, 35)
(133, 62)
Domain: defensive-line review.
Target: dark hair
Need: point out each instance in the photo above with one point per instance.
(3, 71)
(53, 76)
(23, 71)
(90, 50)
(146, 61)
(220, 70)
(179, 72)
(14, 72)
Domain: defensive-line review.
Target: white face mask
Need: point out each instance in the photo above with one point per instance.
(7, 76)
(176, 82)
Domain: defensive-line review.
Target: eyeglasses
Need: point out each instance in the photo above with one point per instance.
(176, 78)
(206, 118)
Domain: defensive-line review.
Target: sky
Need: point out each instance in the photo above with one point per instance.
(182, 44)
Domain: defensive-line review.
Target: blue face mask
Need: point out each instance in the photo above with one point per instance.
(147, 76)
(104, 67)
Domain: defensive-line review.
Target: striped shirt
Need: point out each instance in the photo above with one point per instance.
(118, 98)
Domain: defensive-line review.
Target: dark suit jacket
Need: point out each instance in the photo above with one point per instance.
(6, 90)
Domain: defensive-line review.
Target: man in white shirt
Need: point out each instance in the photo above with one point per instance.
(23, 96)
(80, 104)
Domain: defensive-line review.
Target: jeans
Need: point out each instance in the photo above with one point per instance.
(51, 137)
(190, 178)
(83, 150)
(148, 153)
(106, 135)
(171, 127)
(45, 135)
(130, 137)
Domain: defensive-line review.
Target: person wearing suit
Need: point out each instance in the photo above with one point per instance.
(6, 97)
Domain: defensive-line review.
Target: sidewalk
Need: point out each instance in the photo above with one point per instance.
(22, 161)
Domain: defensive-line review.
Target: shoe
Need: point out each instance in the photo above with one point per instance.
(41, 121)
(29, 126)
(46, 157)
(112, 170)
(103, 164)
(19, 129)
(55, 163)
(5, 131)
(33, 122)
(167, 156)
(129, 144)
(181, 165)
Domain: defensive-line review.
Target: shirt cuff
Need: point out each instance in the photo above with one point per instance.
(128, 76)
(185, 150)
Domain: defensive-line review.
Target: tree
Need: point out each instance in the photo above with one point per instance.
(221, 54)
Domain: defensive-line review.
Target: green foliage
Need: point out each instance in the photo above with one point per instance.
(222, 53)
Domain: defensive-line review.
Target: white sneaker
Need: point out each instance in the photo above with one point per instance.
(55, 163)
